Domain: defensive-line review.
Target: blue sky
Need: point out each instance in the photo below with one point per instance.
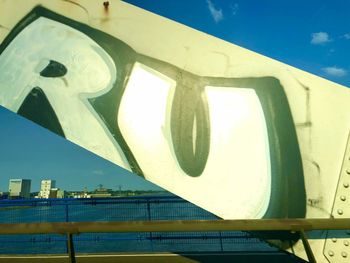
(32, 152)
(311, 35)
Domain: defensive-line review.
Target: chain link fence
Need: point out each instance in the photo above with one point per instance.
(119, 209)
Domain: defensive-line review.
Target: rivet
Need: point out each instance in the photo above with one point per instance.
(344, 254)
(331, 253)
(334, 239)
(340, 211)
(346, 185)
(346, 243)
(348, 171)
(343, 197)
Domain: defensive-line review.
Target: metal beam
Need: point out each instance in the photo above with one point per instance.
(176, 226)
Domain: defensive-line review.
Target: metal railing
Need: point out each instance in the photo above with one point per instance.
(129, 209)
(72, 228)
(114, 209)
(151, 215)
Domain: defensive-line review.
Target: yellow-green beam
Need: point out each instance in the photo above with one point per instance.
(176, 226)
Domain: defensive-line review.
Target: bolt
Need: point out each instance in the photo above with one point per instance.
(346, 185)
(344, 254)
(106, 5)
(340, 211)
(334, 240)
(343, 197)
(331, 253)
(346, 243)
(348, 171)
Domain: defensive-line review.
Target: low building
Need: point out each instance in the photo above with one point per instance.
(101, 192)
(56, 193)
(3, 195)
(100, 195)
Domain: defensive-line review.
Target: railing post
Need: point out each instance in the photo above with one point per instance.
(66, 212)
(70, 248)
(221, 244)
(67, 220)
(307, 247)
(149, 219)
(148, 209)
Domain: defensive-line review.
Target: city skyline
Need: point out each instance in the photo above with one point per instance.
(29, 151)
(98, 187)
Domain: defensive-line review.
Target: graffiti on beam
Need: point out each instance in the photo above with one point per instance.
(162, 122)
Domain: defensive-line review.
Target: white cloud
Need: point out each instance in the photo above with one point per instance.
(346, 36)
(98, 172)
(234, 8)
(215, 13)
(320, 38)
(335, 71)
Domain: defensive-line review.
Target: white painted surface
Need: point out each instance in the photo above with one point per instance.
(91, 72)
(238, 162)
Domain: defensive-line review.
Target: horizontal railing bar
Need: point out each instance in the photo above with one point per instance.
(90, 201)
(112, 199)
(177, 226)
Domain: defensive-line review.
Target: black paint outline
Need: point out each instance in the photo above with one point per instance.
(288, 197)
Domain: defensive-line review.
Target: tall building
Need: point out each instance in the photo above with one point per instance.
(45, 188)
(19, 188)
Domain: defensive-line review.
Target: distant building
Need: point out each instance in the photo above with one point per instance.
(80, 195)
(101, 192)
(56, 193)
(100, 195)
(19, 188)
(46, 187)
(3, 195)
